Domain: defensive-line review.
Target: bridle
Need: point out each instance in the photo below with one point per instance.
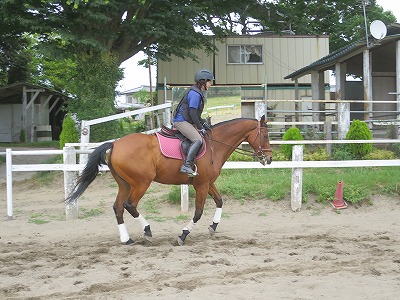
(259, 153)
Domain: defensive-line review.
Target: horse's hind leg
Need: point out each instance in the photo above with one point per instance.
(218, 211)
(123, 194)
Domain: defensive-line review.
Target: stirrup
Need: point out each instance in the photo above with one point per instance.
(189, 171)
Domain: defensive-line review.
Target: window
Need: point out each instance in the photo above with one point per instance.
(245, 54)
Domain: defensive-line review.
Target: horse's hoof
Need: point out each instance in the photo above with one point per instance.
(129, 242)
(180, 242)
(211, 230)
(148, 238)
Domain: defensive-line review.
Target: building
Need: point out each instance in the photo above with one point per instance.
(257, 64)
(376, 65)
(30, 110)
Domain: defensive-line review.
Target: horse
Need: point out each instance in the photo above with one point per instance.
(135, 161)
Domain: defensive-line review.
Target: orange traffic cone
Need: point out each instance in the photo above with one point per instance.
(338, 202)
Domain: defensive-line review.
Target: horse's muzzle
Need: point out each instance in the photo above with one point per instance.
(265, 160)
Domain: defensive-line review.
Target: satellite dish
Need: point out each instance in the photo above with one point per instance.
(378, 29)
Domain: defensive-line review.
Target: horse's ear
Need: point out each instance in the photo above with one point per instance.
(262, 120)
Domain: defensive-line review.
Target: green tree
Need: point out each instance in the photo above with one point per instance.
(292, 134)
(359, 131)
(342, 20)
(79, 32)
(69, 133)
(96, 32)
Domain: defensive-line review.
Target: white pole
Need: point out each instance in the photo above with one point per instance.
(70, 179)
(9, 184)
(297, 179)
(85, 139)
(184, 198)
(167, 117)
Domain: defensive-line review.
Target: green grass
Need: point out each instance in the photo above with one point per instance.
(359, 184)
(44, 144)
(85, 213)
(39, 218)
(222, 101)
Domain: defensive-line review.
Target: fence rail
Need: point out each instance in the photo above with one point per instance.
(70, 167)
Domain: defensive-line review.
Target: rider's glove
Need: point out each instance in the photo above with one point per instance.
(206, 126)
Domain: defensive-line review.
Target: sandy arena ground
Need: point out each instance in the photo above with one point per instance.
(262, 250)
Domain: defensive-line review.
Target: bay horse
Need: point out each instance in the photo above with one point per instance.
(135, 161)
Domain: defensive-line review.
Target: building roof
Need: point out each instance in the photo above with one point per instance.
(12, 93)
(346, 52)
(138, 89)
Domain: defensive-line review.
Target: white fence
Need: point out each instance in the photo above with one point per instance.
(71, 167)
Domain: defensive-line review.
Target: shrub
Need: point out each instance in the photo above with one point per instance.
(359, 131)
(396, 149)
(236, 156)
(137, 126)
(69, 133)
(380, 154)
(341, 152)
(319, 154)
(292, 134)
(22, 136)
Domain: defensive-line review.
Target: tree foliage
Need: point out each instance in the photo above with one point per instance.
(359, 131)
(342, 20)
(292, 134)
(68, 44)
(69, 133)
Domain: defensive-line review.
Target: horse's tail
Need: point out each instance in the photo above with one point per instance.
(89, 173)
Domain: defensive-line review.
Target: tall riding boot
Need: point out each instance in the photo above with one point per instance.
(188, 164)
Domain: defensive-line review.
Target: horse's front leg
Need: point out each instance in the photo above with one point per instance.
(201, 194)
(123, 194)
(218, 211)
(137, 193)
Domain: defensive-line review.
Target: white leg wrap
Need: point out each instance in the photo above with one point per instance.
(217, 215)
(142, 221)
(190, 226)
(123, 233)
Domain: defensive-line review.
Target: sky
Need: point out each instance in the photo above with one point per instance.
(135, 76)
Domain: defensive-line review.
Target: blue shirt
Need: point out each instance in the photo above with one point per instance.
(193, 99)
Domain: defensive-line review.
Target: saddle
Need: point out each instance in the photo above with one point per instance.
(174, 144)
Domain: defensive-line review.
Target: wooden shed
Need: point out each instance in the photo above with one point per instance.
(376, 65)
(30, 109)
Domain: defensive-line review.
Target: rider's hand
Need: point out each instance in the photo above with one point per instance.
(206, 125)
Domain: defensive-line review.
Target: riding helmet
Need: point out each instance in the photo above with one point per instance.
(203, 74)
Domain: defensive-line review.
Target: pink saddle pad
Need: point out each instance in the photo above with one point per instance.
(171, 147)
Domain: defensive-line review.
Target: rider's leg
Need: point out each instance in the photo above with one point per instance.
(194, 136)
(189, 161)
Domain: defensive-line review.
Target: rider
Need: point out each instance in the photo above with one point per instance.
(187, 117)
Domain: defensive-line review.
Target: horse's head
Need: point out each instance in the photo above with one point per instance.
(259, 140)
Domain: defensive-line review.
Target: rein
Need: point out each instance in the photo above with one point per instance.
(258, 153)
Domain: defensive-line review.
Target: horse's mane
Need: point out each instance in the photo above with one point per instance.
(232, 121)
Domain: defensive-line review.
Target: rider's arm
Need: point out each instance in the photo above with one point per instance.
(195, 118)
(194, 103)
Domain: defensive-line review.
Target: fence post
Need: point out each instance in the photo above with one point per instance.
(328, 136)
(343, 119)
(184, 198)
(297, 179)
(70, 179)
(85, 138)
(167, 116)
(9, 184)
